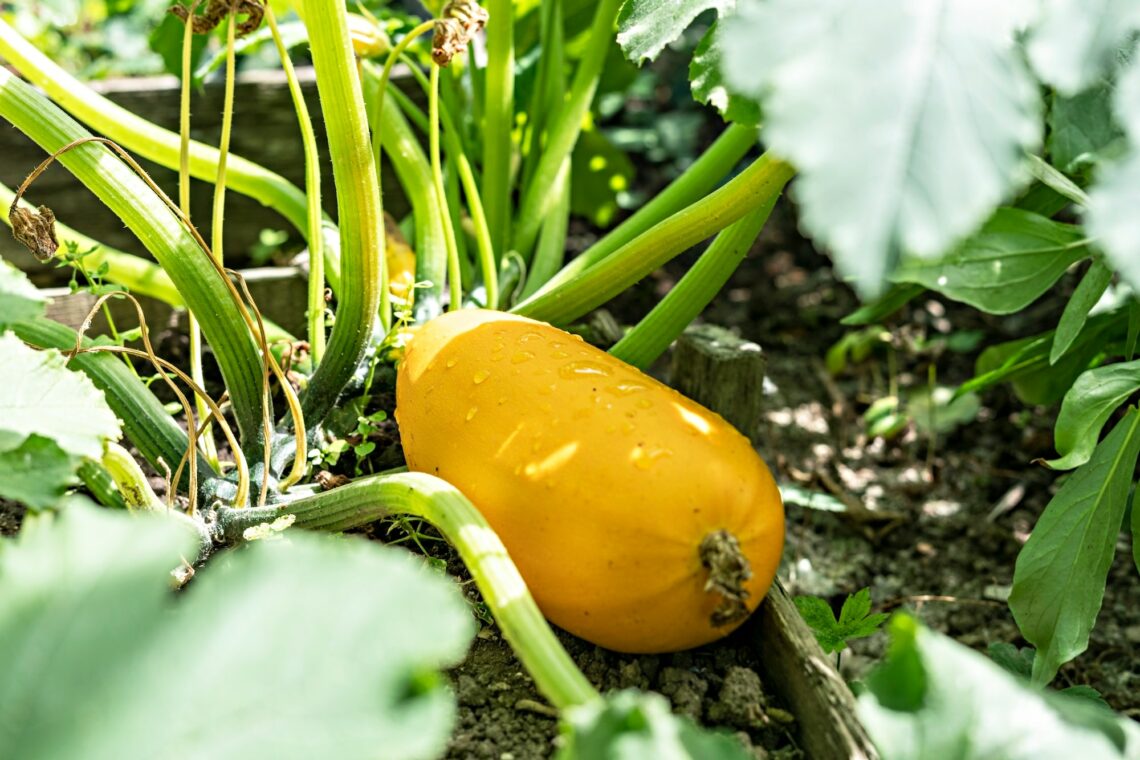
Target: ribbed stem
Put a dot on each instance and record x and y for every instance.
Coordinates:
(455, 296)
(358, 204)
(565, 128)
(421, 495)
(551, 249)
(755, 187)
(696, 181)
(205, 291)
(696, 289)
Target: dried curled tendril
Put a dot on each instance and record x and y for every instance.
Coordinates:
(459, 21)
(35, 229)
(217, 10)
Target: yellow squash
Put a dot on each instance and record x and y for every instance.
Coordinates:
(640, 520)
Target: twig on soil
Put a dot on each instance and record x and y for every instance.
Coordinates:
(920, 599)
(538, 708)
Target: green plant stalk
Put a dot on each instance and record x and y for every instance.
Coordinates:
(454, 281)
(499, 121)
(211, 297)
(455, 214)
(129, 477)
(756, 186)
(98, 481)
(316, 293)
(551, 249)
(398, 141)
(358, 204)
(565, 127)
(136, 274)
(145, 421)
(467, 178)
(146, 139)
(696, 182)
(547, 93)
(642, 345)
(418, 494)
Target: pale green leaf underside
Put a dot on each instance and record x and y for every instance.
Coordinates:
(19, 299)
(39, 395)
(36, 473)
(645, 27)
(1058, 583)
(1005, 266)
(708, 85)
(304, 647)
(1077, 41)
(908, 121)
(972, 709)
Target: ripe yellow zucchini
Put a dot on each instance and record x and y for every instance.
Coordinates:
(640, 520)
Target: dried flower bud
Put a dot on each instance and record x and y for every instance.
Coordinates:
(217, 10)
(36, 230)
(459, 21)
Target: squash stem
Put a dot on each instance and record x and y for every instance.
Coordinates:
(454, 281)
(441, 504)
(498, 124)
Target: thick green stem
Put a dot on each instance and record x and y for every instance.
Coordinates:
(149, 140)
(316, 293)
(136, 274)
(210, 296)
(411, 493)
(551, 247)
(358, 204)
(499, 118)
(548, 93)
(131, 480)
(98, 481)
(756, 186)
(145, 421)
(696, 181)
(394, 134)
(688, 298)
(565, 128)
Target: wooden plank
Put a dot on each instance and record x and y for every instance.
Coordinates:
(265, 131)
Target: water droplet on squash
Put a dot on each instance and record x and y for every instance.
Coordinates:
(472, 412)
(521, 356)
(480, 376)
(628, 427)
(644, 403)
(560, 354)
(644, 458)
(502, 400)
(529, 336)
(546, 390)
(451, 363)
(583, 368)
(625, 389)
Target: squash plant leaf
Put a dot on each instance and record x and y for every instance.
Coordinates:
(708, 84)
(1007, 265)
(308, 646)
(1076, 41)
(1095, 395)
(19, 299)
(630, 725)
(1112, 217)
(934, 697)
(879, 104)
(855, 620)
(1081, 127)
(50, 418)
(1059, 579)
(599, 172)
(645, 27)
(1088, 292)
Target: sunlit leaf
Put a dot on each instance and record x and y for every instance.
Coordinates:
(645, 27)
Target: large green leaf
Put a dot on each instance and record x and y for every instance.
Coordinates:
(36, 473)
(631, 725)
(297, 648)
(39, 395)
(1095, 395)
(907, 120)
(1076, 313)
(1058, 583)
(1078, 41)
(1005, 266)
(19, 299)
(708, 83)
(645, 27)
(599, 171)
(935, 698)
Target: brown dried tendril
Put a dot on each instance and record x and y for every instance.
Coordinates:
(35, 229)
(217, 10)
(459, 21)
